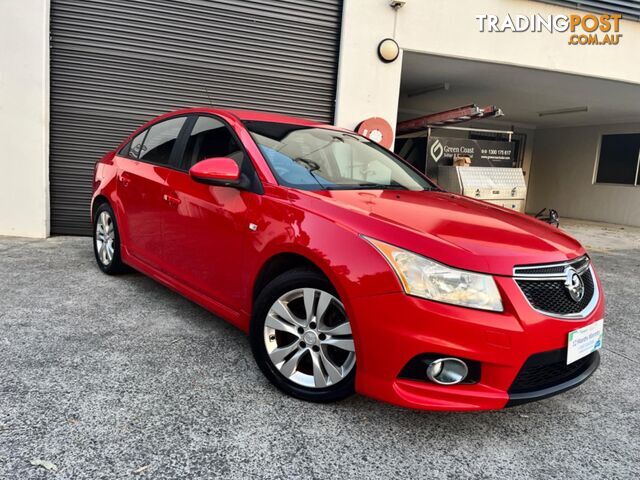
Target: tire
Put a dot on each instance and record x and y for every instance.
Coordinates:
(291, 347)
(106, 246)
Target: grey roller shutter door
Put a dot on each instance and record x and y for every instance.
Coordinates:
(118, 63)
(630, 9)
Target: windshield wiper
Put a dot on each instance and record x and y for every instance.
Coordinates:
(311, 166)
(374, 186)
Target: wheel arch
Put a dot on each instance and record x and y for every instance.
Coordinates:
(277, 265)
(97, 202)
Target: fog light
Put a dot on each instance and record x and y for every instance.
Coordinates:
(447, 371)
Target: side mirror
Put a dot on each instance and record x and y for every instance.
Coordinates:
(221, 171)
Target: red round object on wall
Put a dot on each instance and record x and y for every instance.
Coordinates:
(376, 129)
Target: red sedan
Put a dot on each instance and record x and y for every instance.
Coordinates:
(349, 270)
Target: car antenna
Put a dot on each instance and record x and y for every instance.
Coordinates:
(208, 95)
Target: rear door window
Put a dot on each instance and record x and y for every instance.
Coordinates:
(160, 140)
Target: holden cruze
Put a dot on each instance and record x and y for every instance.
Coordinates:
(349, 270)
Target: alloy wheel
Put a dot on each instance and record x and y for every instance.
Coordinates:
(105, 238)
(308, 338)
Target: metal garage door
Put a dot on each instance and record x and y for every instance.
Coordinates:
(118, 63)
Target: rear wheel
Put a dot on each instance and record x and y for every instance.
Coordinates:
(301, 337)
(106, 241)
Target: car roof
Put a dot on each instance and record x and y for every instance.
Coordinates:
(249, 115)
(271, 117)
(242, 115)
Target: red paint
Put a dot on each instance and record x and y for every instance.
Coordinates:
(195, 238)
(216, 169)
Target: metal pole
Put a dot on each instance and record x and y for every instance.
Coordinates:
(426, 160)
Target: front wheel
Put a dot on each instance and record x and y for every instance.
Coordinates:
(301, 337)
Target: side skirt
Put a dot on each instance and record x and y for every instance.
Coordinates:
(236, 318)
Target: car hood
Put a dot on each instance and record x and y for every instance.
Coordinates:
(452, 229)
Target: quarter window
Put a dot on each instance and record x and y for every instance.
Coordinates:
(136, 145)
(124, 151)
(159, 143)
(211, 138)
(619, 160)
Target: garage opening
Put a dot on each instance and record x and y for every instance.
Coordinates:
(575, 138)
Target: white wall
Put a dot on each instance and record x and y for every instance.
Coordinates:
(445, 27)
(563, 172)
(24, 118)
(367, 87)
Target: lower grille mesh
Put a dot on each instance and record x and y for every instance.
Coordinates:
(548, 369)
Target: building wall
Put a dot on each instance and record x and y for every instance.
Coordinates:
(24, 117)
(563, 172)
(367, 87)
(443, 27)
(528, 154)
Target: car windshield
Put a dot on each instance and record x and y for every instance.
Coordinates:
(315, 158)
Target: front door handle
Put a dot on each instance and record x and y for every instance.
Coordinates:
(124, 179)
(171, 200)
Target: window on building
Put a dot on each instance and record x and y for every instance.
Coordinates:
(159, 142)
(619, 159)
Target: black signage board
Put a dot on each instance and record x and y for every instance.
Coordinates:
(483, 153)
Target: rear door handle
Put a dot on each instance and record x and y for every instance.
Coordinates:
(171, 200)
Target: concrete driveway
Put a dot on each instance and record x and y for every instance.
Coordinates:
(118, 377)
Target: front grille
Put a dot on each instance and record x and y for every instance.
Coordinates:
(579, 264)
(549, 369)
(553, 297)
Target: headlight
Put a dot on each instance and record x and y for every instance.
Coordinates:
(432, 280)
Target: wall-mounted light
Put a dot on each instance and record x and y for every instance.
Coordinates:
(388, 50)
(562, 111)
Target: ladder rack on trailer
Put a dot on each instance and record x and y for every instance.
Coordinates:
(448, 117)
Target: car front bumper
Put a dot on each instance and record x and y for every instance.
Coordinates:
(393, 329)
